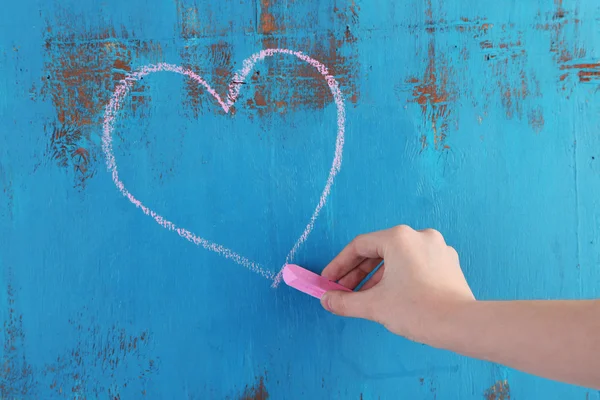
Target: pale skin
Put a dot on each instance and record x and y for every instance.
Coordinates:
(420, 293)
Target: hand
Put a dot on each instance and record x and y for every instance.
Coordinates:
(413, 293)
(421, 293)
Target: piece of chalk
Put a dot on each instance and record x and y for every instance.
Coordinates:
(309, 282)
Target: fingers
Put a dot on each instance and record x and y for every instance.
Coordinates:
(356, 276)
(349, 304)
(453, 252)
(374, 280)
(370, 245)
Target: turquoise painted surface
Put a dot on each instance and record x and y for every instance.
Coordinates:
(479, 119)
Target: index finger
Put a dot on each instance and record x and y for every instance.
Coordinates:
(369, 245)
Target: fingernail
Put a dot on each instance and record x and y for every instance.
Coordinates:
(325, 302)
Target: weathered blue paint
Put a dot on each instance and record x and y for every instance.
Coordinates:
(477, 118)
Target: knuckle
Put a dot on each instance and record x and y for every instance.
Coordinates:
(340, 305)
(359, 238)
(434, 234)
(453, 252)
(355, 243)
(401, 232)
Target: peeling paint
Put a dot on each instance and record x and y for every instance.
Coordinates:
(337, 50)
(197, 20)
(536, 119)
(562, 43)
(565, 44)
(214, 62)
(68, 148)
(16, 373)
(435, 95)
(7, 204)
(100, 356)
(188, 20)
(459, 64)
(511, 79)
(81, 73)
(267, 24)
(258, 391)
(304, 89)
(434, 92)
(477, 26)
(81, 69)
(499, 391)
(586, 72)
(515, 80)
(279, 86)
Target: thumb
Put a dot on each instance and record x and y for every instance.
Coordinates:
(348, 304)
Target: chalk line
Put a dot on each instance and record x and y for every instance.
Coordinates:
(123, 88)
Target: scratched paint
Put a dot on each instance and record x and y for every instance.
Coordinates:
(479, 119)
(90, 369)
(17, 374)
(258, 391)
(499, 391)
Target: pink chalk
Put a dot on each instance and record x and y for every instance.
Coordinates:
(309, 282)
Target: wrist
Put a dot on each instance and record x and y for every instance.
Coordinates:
(453, 327)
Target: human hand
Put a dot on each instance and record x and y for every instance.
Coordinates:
(413, 294)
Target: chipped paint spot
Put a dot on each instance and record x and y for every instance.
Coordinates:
(280, 85)
(16, 374)
(557, 23)
(436, 96)
(267, 24)
(304, 89)
(499, 391)
(258, 391)
(478, 25)
(81, 74)
(100, 356)
(203, 19)
(513, 92)
(188, 20)
(435, 21)
(6, 184)
(563, 25)
(65, 149)
(586, 72)
(516, 81)
(259, 99)
(81, 71)
(536, 119)
(435, 92)
(338, 50)
(214, 62)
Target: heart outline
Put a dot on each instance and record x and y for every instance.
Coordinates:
(123, 88)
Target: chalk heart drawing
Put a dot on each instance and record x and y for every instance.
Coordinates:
(122, 90)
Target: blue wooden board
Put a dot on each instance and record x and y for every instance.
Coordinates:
(480, 119)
